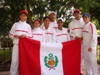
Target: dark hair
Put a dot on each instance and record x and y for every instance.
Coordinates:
(46, 18)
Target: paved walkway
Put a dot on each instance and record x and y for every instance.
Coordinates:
(4, 73)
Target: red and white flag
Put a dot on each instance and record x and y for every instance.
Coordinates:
(37, 58)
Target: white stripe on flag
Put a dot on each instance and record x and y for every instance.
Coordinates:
(51, 59)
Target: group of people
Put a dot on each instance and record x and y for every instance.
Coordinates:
(54, 32)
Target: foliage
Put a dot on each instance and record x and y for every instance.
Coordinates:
(98, 32)
(9, 10)
(36, 8)
(5, 55)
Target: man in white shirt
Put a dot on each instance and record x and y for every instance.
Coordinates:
(61, 33)
(49, 31)
(75, 28)
(89, 45)
(37, 32)
(52, 16)
(19, 29)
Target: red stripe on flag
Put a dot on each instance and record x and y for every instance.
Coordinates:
(29, 57)
(71, 57)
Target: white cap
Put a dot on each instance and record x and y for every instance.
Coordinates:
(52, 12)
(60, 19)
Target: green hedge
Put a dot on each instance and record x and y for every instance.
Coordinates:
(5, 55)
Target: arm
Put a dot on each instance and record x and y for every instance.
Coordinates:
(71, 32)
(12, 32)
(54, 36)
(29, 32)
(68, 37)
(93, 42)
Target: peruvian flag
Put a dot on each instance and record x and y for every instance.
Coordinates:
(38, 58)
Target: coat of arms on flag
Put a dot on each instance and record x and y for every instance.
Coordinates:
(51, 61)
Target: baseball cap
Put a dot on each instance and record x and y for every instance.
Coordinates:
(76, 10)
(37, 20)
(52, 12)
(24, 12)
(86, 15)
(60, 19)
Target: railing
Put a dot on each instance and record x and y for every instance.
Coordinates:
(6, 50)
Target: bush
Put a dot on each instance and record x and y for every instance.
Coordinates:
(5, 55)
(98, 31)
(6, 42)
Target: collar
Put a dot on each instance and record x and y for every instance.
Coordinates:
(60, 30)
(37, 28)
(22, 21)
(44, 27)
(87, 23)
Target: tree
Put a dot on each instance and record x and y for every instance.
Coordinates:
(9, 12)
(36, 9)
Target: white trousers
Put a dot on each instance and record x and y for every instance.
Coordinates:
(82, 59)
(90, 61)
(14, 61)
